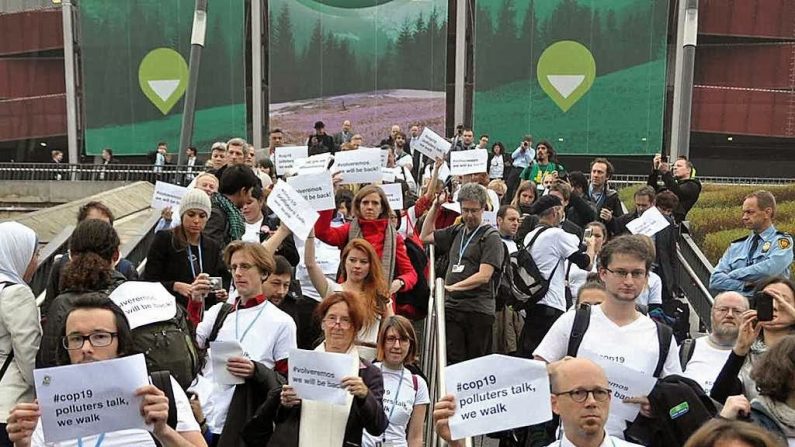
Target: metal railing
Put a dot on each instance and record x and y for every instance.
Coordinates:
(694, 271)
(620, 180)
(47, 257)
(94, 172)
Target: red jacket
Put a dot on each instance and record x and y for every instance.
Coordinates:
(444, 217)
(374, 232)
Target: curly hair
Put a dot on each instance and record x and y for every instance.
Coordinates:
(92, 248)
(774, 372)
(374, 289)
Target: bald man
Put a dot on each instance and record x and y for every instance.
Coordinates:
(580, 396)
(703, 358)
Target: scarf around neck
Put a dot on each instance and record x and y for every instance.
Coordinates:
(237, 226)
(388, 252)
(781, 412)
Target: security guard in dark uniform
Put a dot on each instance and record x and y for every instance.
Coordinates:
(765, 252)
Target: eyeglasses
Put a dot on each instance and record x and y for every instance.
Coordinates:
(98, 339)
(391, 340)
(343, 322)
(636, 274)
(724, 310)
(244, 267)
(580, 395)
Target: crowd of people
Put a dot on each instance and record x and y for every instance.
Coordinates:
(358, 285)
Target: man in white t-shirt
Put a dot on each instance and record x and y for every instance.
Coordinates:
(617, 331)
(580, 396)
(703, 358)
(550, 251)
(95, 330)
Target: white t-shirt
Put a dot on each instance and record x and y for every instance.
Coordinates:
(706, 363)
(551, 249)
(266, 333)
(633, 345)
(497, 167)
(578, 277)
(609, 441)
(652, 293)
(252, 231)
(407, 399)
(124, 438)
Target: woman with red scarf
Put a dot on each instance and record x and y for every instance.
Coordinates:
(371, 221)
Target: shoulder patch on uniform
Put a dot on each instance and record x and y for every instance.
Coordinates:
(784, 243)
(740, 239)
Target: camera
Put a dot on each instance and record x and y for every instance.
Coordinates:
(216, 283)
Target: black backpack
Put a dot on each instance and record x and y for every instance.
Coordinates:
(170, 346)
(528, 285)
(582, 319)
(413, 304)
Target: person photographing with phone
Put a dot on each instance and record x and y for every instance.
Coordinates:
(771, 319)
(677, 178)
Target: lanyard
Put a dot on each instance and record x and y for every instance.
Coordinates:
(463, 245)
(395, 402)
(99, 441)
(190, 260)
(237, 317)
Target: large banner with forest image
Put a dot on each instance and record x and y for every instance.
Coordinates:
(586, 75)
(373, 62)
(134, 58)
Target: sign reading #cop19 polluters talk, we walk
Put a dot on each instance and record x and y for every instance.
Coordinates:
(78, 400)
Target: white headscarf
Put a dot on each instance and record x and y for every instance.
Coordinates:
(17, 246)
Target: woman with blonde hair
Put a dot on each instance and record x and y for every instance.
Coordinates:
(362, 274)
(722, 432)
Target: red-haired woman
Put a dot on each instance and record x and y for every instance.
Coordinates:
(371, 222)
(362, 274)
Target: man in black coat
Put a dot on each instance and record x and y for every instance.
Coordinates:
(604, 198)
(320, 142)
(679, 181)
(644, 199)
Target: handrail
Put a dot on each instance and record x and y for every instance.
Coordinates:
(57, 245)
(96, 172)
(697, 269)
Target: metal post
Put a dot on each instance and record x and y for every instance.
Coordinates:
(256, 73)
(687, 31)
(71, 88)
(460, 60)
(689, 36)
(196, 45)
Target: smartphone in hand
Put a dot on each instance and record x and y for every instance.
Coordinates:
(763, 303)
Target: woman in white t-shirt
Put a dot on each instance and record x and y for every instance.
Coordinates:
(362, 274)
(406, 396)
(252, 213)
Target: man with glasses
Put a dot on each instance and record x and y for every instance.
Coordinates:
(96, 330)
(580, 396)
(475, 252)
(644, 200)
(702, 358)
(551, 248)
(616, 330)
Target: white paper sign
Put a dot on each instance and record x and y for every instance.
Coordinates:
(312, 165)
(452, 206)
(468, 162)
(293, 210)
(384, 157)
(359, 166)
(144, 302)
(394, 194)
(490, 399)
(625, 383)
(220, 352)
(317, 375)
(390, 174)
(79, 400)
(490, 217)
(649, 223)
(166, 195)
(286, 156)
(432, 144)
(317, 189)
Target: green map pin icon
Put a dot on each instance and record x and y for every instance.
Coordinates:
(566, 71)
(163, 77)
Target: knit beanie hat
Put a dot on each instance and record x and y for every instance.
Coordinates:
(194, 199)
(544, 203)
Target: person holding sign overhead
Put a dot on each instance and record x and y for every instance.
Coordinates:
(96, 330)
(254, 326)
(406, 394)
(362, 274)
(371, 222)
(323, 424)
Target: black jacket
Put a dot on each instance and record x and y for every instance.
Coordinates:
(366, 414)
(686, 190)
(618, 226)
(217, 227)
(56, 319)
(611, 201)
(580, 211)
(167, 264)
(325, 143)
(247, 402)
